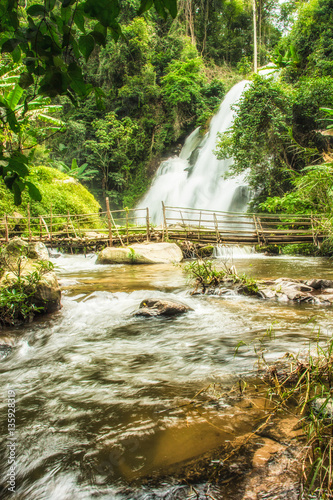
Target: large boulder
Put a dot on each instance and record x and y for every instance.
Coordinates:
(48, 293)
(38, 251)
(21, 260)
(141, 253)
(161, 307)
(17, 247)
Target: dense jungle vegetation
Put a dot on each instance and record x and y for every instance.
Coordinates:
(105, 97)
(281, 136)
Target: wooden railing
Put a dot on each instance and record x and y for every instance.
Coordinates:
(179, 223)
(240, 228)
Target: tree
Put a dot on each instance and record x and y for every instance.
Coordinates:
(51, 39)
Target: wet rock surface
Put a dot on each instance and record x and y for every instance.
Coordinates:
(161, 307)
(314, 291)
(141, 253)
(266, 464)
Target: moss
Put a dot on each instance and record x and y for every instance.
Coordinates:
(57, 189)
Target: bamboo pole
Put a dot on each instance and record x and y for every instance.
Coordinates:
(216, 228)
(258, 235)
(164, 222)
(262, 231)
(40, 228)
(255, 50)
(6, 228)
(108, 213)
(147, 225)
(199, 226)
(46, 228)
(121, 241)
(71, 222)
(67, 224)
(181, 214)
(29, 221)
(51, 224)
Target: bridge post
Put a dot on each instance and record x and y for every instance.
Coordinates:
(29, 224)
(51, 224)
(127, 226)
(256, 226)
(147, 224)
(6, 227)
(164, 221)
(199, 227)
(108, 213)
(40, 228)
(216, 228)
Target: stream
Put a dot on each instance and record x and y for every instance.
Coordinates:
(100, 394)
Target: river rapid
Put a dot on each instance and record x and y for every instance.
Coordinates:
(100, 394)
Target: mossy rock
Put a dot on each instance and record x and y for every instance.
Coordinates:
(57, 189)
(206, 251)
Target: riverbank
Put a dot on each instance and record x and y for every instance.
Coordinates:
(100, 392)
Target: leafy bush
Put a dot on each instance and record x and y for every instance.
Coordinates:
(16, 299)
(204, 274)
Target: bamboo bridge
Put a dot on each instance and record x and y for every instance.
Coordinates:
(89, 232)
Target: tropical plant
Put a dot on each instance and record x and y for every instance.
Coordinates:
(16, 298)
(82, 173)
(24, 125)
(50, 40)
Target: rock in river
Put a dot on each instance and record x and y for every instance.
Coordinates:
(141, 253)
(161, 307)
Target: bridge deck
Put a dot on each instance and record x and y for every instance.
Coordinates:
(127, 226)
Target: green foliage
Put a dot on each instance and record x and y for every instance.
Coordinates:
(184, 79)
(50, 41)
(275, 142)
(25, 124)
(312, 39)
(259, 139)
(156, 92)
(313, 192)
(300, 249)
(81, 173)
(16, 298)
(57, 189)
(204, 274)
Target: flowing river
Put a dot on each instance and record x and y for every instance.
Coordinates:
(100, 394)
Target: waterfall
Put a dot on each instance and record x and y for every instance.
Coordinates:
(194, 179)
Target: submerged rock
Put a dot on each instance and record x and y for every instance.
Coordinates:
(162, 307)
(319, 284)
(5, 351)
(284, 290)
(141, 253)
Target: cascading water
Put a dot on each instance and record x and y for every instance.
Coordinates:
(195, 178)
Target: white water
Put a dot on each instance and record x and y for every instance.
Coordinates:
(195, 178)
(101, 394)
(230, 252)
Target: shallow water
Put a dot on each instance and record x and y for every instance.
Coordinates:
(99, 393)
